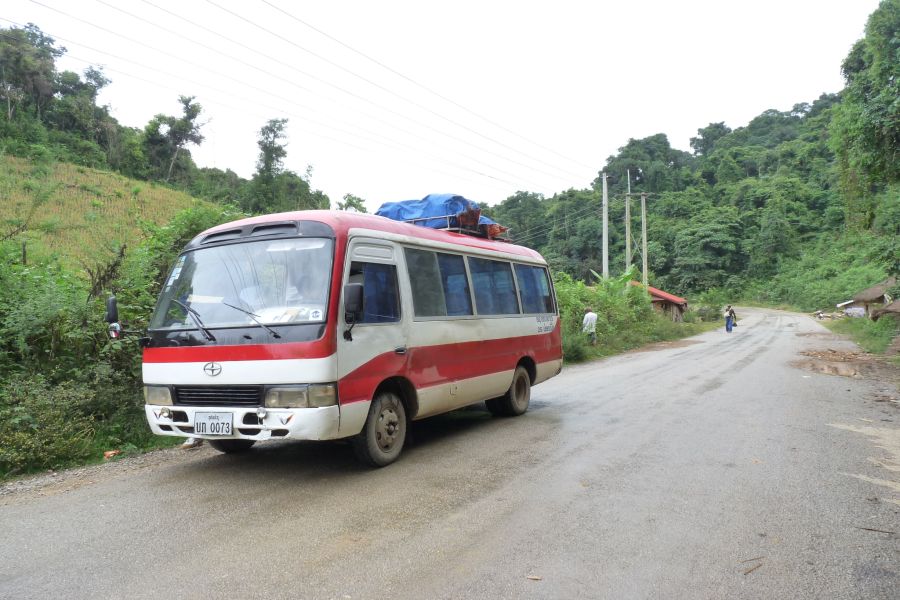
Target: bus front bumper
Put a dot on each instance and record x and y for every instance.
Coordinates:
(246, 423)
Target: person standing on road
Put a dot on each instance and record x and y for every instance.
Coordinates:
(589, 325)
(730, 318)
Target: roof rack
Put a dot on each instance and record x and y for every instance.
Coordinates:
(448, 219)
(448, 212)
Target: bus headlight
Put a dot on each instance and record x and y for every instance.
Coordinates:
(322, 395)
(294, 396)
(301, 396)
(158, 395)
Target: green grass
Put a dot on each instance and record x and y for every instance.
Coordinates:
(658, 329)
(79, 214)
(872, 336)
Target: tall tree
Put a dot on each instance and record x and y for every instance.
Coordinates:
(269, 165)
(27, 68)
(165, 137)
(184, 130)
(352, 203)
(707, 137)
(866, 126)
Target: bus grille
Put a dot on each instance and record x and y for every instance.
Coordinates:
(236, 395)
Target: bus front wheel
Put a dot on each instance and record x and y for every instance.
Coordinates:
(232, 446)
(381, 440)
(515, 401)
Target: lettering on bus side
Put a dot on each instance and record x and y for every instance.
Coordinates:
(545, 323)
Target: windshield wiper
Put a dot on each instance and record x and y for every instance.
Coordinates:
(255, 319)
(195, 317)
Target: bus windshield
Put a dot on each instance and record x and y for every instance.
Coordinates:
(246, 284)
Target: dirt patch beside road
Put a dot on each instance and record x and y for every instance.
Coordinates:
(838, 362)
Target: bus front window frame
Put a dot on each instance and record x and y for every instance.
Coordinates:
(281, 281)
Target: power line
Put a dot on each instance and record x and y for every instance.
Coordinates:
(541, 230)
(314, 77)
(422, 86)
(392, 92)
(378, 140)
(304, 88)
(264, 91)
(311, 132)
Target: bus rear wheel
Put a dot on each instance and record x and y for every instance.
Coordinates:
(232, 446)
(518, 396)
(381, 440)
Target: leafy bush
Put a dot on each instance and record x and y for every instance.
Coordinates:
(829, 272)
(872, 336)
(574, 344)
(43, 425)
(69, 392)
(710, 304)
(625, 317)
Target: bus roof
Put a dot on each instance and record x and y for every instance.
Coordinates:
(342, 222)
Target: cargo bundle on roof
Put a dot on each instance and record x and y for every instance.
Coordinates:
(443, 211)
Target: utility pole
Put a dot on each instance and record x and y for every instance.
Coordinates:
(644, 236)
(605, 230)
(628, 224)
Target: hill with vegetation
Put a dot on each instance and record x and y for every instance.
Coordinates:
(799, 205)
(79, 214)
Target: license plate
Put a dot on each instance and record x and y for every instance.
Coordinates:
(212, 423)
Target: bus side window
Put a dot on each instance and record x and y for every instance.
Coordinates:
(381, 299)
(495, 292)
(534, 288)
(455, 284)
(439, 284)
(425, 282)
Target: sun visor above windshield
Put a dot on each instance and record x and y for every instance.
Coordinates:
(261, 230)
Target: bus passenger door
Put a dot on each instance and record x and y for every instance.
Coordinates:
(376, 349)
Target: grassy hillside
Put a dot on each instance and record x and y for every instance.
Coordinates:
(80, 214)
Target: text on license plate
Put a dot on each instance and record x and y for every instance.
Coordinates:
(212, 423)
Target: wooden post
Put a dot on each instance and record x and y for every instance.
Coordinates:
(605, 229)
(627, 231)
(644, 236)
(628, 223)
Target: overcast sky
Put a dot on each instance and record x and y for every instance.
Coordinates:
(393, 100)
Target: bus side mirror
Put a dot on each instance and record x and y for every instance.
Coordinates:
(112, 310)
(353, 302)
(112, 317)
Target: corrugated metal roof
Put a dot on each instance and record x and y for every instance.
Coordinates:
(656, 293)
(875, 292)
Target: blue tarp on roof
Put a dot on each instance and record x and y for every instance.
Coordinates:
(433, 205)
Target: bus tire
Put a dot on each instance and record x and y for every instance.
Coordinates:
(232, 446)
(382, 437)
(518, 396)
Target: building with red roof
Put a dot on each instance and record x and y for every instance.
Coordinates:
(668, 304)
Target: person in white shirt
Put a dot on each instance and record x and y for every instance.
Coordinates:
(589, 324)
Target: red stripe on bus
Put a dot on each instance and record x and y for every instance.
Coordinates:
(318, 349)
(433, 365)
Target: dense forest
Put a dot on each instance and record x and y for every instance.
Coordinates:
(800, 207)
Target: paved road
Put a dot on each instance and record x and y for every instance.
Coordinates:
(706, 469)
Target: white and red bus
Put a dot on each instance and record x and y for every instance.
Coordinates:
(319, 325)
